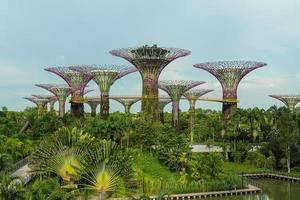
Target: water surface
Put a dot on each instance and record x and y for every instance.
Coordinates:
(271, 190)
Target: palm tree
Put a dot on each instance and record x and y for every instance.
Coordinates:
(62, 154)
(104, 180)
(108, 162)
(70, 154)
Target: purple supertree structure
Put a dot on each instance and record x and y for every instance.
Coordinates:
(104, 76)
(61, 91)
(127, 102)
(229, 74)
(150, 61)
(77, 82)
(192, 96)
(175, 89)
(40, 103)
(52, 99)
(289, 100)
(162, 102)
(93, 103)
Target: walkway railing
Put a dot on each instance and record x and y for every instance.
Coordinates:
(19, 164)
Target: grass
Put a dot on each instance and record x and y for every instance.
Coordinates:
(150, 167)
(238, 168)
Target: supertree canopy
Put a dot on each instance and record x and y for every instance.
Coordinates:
(162, 102)
(192, 96)
(77, 82)
(52, 99)
(40, 103)
(175, 89)
(229, 74)
(105, 76)
(61, 91)
(93, 103)
(126, 102)
(289, 100)
(150, 61)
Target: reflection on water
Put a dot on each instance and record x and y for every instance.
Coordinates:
(271, 190)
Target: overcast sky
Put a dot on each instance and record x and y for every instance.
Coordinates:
(35, 34)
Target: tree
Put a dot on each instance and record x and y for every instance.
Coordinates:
(104, 180)
(78, 160)
(287, 130)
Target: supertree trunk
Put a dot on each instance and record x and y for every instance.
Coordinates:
(192, 113)
(127, 108)
(150, 61)
(161, 116)
(61, 108)
(41, 108)
(229, 74)
(150, 96)
(192, 123)
(51, 105)
(228, 109)
(77, 109)
(104, 111)
(175, 115)
(93, 111)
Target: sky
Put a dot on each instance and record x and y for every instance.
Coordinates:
(35, 34)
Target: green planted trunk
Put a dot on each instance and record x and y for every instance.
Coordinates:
(175, 115)
(104, 109)
(150, 97)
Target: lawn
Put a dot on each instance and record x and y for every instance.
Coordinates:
(150, 167)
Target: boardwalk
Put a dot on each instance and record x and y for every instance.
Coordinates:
(23, 173)
(273, 176)
(203, 195)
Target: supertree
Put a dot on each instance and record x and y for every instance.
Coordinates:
(52, 99)
(175, 89)
(61, 91)
(40, 103)
(229, 74)
(93, 103)
(104, 76)
(192, 96)
(127, 102)
(150, 61)
(162, 102)
(77, 82)
(289, 100)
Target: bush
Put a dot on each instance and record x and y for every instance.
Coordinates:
(206, 166)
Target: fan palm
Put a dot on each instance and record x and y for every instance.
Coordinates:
(62, 154)
(104, 180)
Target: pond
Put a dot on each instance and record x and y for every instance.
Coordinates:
(271, 190)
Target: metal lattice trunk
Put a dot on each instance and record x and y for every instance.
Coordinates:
(77, 82)
(175, 90)
(289, 100)
(93, 105)
(229, 74)
(51, 98)
(105, 76)
(162, 104)
(192, 96)
(126, 102)
(61, 91)
(150, 61)
(40, 103)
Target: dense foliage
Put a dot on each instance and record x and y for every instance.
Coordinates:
(77, 157)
